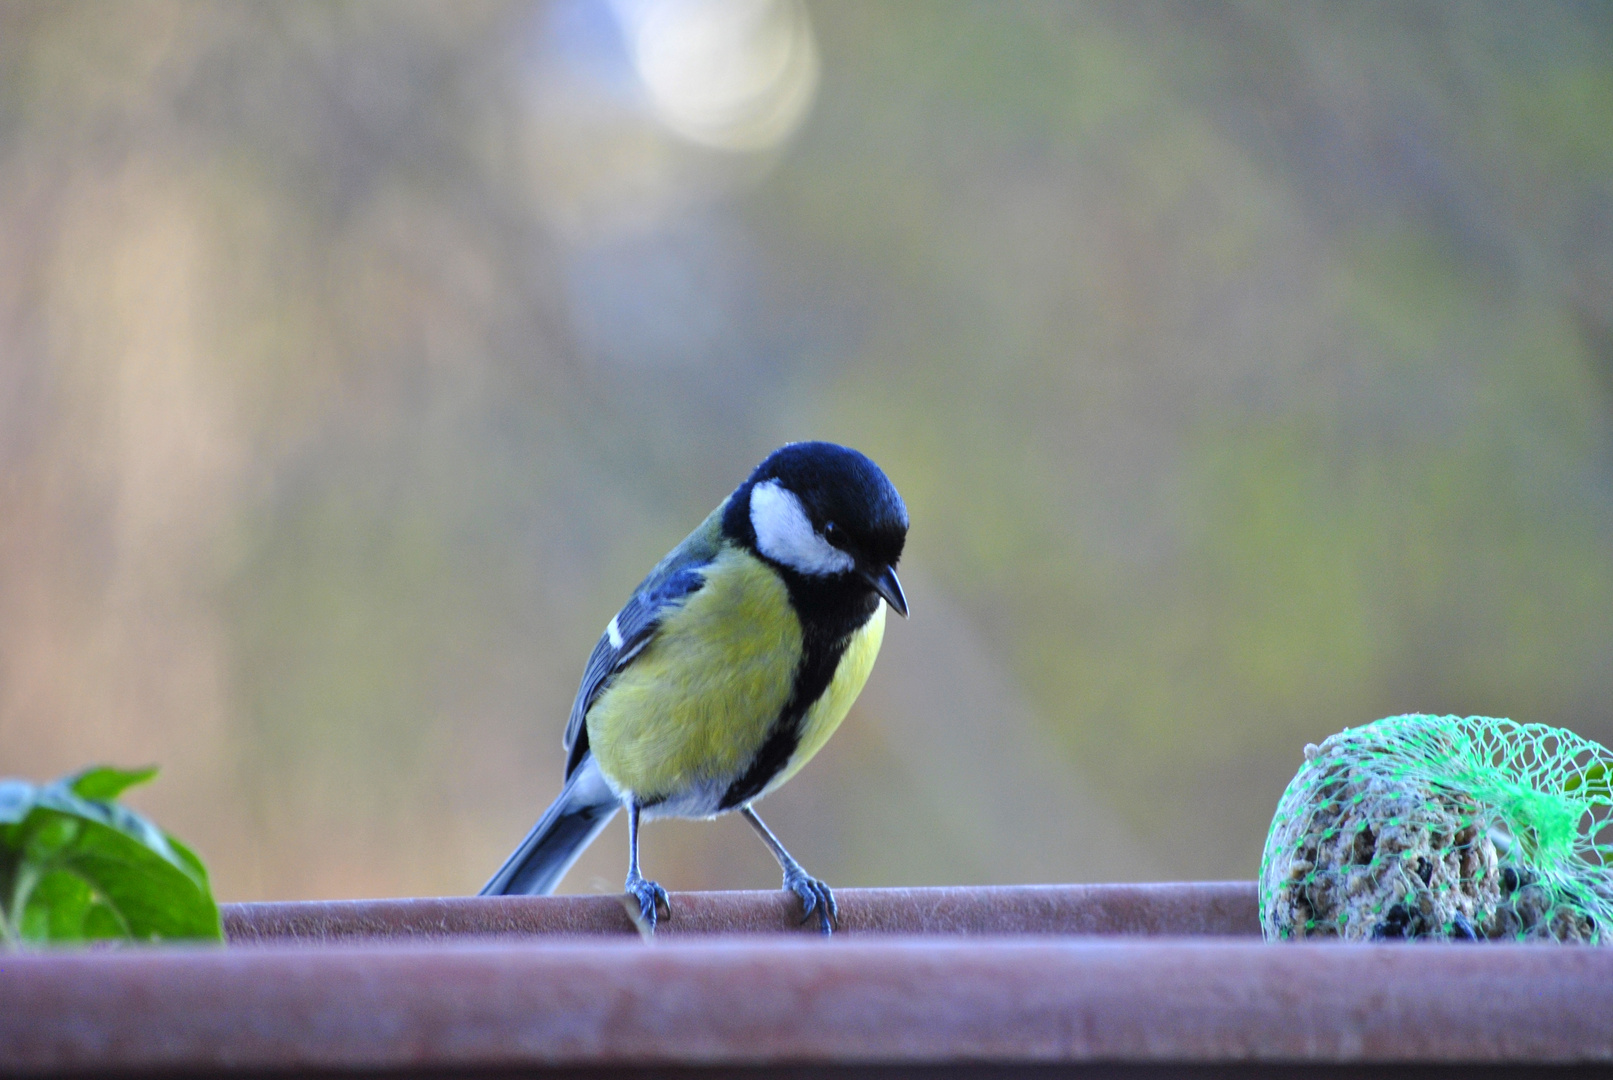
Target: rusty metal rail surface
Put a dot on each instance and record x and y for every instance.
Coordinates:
(1037, 981)
(1195, 908)
(788, 1005)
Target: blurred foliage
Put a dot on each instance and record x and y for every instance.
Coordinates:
(1246, 368)
(75, 866)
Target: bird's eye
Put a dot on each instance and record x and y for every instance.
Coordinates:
(833, 533)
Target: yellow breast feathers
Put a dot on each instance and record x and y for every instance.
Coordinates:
(696, 705)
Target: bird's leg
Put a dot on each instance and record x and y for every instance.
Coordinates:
(650, 896)
(814, 894)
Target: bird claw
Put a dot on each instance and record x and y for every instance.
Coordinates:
(815, 897)
(652, 900)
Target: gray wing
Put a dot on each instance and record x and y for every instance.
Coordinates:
(672, 581)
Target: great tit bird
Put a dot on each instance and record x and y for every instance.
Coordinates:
(730, 666)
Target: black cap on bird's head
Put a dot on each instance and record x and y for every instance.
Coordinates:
(826, 513)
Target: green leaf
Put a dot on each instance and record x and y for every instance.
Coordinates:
(155, 898)
(102, 923)
(45, 838)
(104, 783)
(59, 797)
(81, 867)
(56, 908)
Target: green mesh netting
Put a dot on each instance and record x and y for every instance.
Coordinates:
(1445, 827)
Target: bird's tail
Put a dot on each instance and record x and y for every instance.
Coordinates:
(584, 808)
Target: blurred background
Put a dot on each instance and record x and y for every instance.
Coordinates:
(1247, 370)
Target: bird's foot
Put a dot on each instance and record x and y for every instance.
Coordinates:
(815, 897)
(652, 900)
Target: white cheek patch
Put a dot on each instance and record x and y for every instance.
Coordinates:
(785, 534)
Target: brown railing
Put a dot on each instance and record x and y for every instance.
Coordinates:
(1214, 908)
(1148, 980)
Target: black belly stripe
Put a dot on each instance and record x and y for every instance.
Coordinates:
(830, 610)
(819, 660)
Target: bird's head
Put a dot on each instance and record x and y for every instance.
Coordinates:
(826, 513)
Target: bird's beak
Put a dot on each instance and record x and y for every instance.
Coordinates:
(886, 584)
